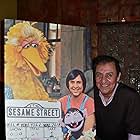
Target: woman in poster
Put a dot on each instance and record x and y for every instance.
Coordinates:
(78, 108)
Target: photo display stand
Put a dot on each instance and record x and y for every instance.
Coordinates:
(37, 58)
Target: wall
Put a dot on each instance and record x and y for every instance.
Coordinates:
(72, 12)
(79, 12)
(122, 40)
(8, 9)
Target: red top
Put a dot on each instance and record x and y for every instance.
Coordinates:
(89, 105)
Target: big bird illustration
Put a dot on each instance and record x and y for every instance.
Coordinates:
(26, 52)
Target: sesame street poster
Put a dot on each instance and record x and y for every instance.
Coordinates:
(33, 120)
(37, 58)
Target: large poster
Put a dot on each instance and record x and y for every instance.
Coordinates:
(37, 58)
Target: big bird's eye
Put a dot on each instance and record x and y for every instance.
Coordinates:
(27, 46)
(34, 45)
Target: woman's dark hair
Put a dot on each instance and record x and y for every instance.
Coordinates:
(103, 59)
(73, 74)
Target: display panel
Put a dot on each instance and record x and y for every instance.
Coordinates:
(37, 59)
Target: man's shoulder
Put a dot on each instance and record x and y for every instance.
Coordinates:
(123, 87)
(127, 91)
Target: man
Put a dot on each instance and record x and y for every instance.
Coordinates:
(117, 106)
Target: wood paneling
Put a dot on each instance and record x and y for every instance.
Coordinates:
(8, 9)
(79, 12)
(115, 11)
(73, 12)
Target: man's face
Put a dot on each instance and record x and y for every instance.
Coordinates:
(106, 78)
(76, 86)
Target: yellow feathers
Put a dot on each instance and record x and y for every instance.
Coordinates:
(21, 31)
(26, 52)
